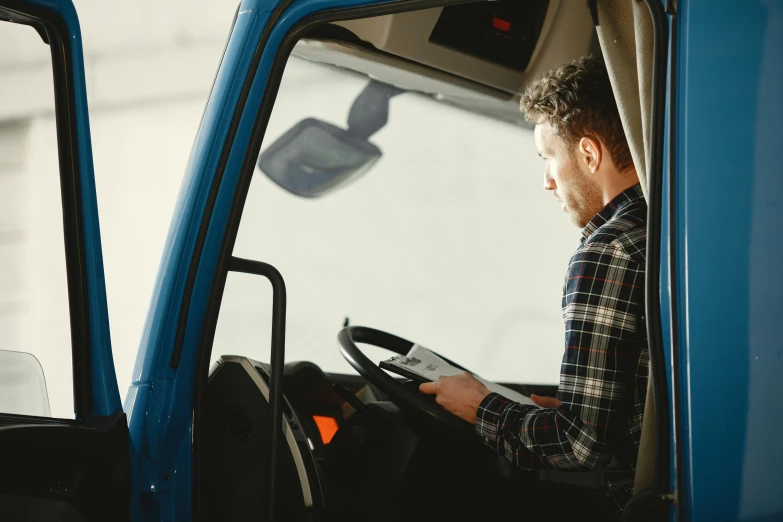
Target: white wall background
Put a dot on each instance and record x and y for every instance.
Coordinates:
(149, 67)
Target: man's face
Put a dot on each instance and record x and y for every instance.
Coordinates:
(571, 181)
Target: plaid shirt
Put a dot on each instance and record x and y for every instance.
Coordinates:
(603, 377)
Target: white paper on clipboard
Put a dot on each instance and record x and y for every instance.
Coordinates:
(429, 366)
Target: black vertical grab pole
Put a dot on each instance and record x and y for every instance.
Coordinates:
(654, 211)
(276, 361)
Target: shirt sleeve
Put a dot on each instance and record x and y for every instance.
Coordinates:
(602, 300)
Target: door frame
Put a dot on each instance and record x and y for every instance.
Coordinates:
(94, 380)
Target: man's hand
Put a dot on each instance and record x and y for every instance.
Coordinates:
(461, 394)
(545, 402)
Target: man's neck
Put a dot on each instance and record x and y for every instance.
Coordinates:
(617, 183)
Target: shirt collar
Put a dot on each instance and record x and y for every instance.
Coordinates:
(622, 200)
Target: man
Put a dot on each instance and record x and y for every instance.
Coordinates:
(596, 418)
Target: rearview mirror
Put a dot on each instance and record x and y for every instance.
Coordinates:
(315, 157)
(22, 385)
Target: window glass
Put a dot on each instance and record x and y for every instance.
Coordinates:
(34, 313)
(442, 234)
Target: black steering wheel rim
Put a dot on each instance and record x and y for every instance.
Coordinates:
(403, 396)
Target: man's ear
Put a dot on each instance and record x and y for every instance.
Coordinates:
(590, 153)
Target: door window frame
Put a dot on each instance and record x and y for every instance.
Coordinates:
(54, 31)
(662, 397)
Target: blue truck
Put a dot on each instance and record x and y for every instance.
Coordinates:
(205, 434)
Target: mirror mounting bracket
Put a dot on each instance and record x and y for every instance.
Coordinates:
(370, 111)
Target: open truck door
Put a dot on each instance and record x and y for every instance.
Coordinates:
(59, 463)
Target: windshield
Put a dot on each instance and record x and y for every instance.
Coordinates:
(447, 239)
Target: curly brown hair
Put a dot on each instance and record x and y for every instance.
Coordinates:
(576, 99)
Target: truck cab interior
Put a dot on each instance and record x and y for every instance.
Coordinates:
(353, 442)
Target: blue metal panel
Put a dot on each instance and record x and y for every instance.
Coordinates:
(730, 258)
(159, 418)
(106, 396)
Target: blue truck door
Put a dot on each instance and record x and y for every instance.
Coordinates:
(77, 468)
(173, 360)
(729, 209)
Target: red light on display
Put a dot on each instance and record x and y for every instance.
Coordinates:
(501, 25)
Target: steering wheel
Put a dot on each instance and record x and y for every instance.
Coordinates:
(403, 396)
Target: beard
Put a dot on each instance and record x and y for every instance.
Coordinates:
(583, 199)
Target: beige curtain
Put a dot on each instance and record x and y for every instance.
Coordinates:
(626, 37)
